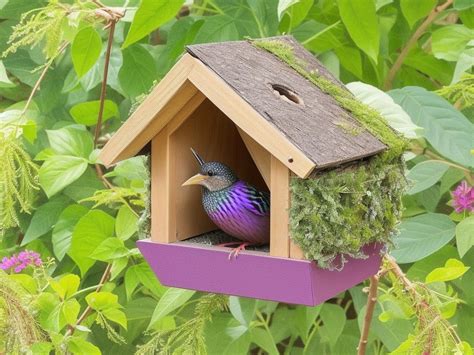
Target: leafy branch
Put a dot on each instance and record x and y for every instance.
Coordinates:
(412, 41)
(434, 334)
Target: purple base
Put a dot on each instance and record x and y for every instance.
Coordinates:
(254, 274)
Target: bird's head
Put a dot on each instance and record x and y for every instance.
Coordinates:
(213, 175)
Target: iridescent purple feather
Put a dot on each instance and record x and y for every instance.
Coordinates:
(241, 211)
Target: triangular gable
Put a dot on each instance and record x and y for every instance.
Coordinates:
(237, 77)
(325, 132)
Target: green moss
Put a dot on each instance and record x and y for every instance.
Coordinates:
(337, 212)
(369, 118)
(340, 211)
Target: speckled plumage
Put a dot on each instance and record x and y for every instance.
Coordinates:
(236, 207)
(240, 210)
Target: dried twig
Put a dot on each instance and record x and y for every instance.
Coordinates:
(103, 90)
(369, 312)
(412, 41)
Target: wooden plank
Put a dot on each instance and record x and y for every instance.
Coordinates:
(167, 98)
(317, 126)
(160, 210)
(215, 138)
(185, 112)
(279, 206)
(249, 120)
(295, 251)
(260, 156)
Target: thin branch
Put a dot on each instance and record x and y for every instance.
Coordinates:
(103, 280)
(412, 41)
(41, 77)
(103, 90)
(369, 312)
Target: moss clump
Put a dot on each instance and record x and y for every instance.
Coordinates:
(340, 211)
(369, 118)
(336, 213)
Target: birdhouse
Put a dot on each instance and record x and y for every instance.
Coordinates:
(274, 114)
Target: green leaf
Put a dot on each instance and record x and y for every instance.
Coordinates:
(66, 286)
(351, 59)
(70, 311)
(44, 218)
(421, 236)
(292, 13)
(59, 171)
(264, 340)
(141, 273)
(425, 175)
(103, 300)
(334, 319)
(304, 319)
(109, 249)
(126, 223)
(5, 82)
(85, 50)
(172, 299)
(138, 71)
(463, 65)
(465, 235)
(117, 267)
(225, 336)
(360, 20)
(117, 316)
(41, 348)
(85, 186)
(86, 113)
(322, 38)
(383, 103)
(62, 232)
(415, 10)
(150, 15)
(217, 29)
(463, 4)
(448, 42)
(79, 346)
(71, 140)
(90, 231)
(452, 270)
(427, 64)
(447, 129)
(243, 309)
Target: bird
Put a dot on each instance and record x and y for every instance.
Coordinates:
(236, 207)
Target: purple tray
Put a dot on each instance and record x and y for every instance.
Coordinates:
(254, 274)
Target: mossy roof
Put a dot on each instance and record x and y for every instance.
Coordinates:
(319, 125)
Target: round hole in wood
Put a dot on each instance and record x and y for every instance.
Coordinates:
(290, 160)
(287, 94)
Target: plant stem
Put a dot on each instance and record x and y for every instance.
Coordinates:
(103, 280)
(412, 41)
(85, 290)
(103, 89)
(40, 79)
(267, 328)
(371, 302)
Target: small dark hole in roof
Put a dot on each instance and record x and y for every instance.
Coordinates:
(287, 94)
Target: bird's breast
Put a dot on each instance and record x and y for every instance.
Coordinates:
(227, 209)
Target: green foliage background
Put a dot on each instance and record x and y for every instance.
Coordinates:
(95, 293)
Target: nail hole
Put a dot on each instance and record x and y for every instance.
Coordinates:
(290, 160)
(287, 94)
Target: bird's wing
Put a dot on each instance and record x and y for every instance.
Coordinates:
(258, 201)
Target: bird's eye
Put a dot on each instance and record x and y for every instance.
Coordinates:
(210, 173)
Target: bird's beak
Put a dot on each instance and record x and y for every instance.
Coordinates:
(195, 180)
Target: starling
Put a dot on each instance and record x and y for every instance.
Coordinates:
(236, 207)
